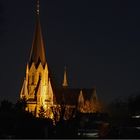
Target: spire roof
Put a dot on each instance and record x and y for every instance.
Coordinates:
(65, 83)
(37, 54)
(94, 96)
(81, 97)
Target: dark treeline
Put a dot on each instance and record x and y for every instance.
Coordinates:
(15, 122)
(120, 109)
(124, 117)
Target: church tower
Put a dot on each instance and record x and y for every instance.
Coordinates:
(37, 87)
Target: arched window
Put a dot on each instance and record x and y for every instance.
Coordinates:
(33, 78)
(39, 75)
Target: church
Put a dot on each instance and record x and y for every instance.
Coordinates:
(39, 90)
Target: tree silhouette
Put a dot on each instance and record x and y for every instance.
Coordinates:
(21, 105)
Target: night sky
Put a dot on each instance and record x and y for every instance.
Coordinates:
(98, 41)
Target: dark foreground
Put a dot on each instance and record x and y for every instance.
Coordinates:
(16, 123)
(83, 126)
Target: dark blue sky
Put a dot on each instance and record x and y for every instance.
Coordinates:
(98, 41)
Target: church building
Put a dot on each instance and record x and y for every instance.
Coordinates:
(39, 90)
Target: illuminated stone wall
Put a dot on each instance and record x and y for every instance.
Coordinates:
(39, 90)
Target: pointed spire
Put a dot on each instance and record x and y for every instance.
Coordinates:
(65, 83)
(37, 54)
(81, 98)
(50, 91)
(95, 103)
(24, 90)
(27, 73)
(94, 97)
(81, 101)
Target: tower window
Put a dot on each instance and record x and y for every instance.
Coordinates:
(39, 75)
(33, 79)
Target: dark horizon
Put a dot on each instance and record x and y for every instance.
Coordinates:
(98, 41)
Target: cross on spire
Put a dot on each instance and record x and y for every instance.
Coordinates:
(37, 10)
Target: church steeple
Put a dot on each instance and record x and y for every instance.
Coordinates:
(37, 54)
(65, 83)
(37, 88)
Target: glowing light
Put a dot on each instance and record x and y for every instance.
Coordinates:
(137, 116)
